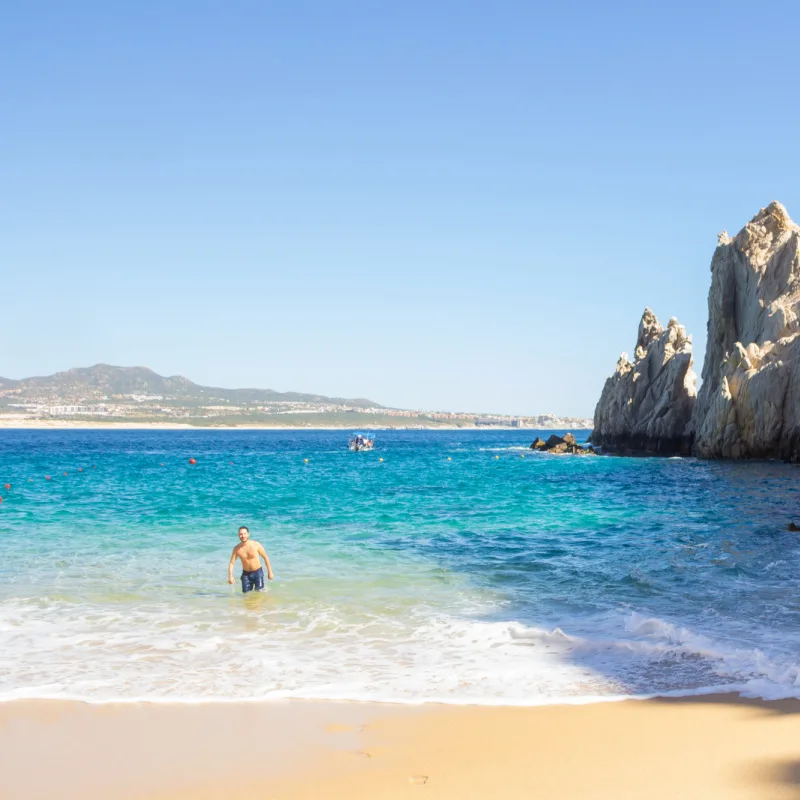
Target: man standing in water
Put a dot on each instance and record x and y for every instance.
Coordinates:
(249, 552)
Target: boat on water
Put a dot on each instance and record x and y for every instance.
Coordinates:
(360, 441)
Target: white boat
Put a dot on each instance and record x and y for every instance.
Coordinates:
(359, 442)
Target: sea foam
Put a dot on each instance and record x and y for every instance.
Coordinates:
(441, 574)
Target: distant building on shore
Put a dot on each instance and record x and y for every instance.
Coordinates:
(69, 411)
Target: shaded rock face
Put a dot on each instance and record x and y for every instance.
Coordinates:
(647, 404)
(749, 401)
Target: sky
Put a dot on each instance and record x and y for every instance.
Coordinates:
(450, 205)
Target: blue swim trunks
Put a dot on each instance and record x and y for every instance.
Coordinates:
(253, 580)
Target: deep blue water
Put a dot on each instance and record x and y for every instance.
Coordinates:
(461, 567)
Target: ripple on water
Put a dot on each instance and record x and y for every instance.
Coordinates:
(477, 579)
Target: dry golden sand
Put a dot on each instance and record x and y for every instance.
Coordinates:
(711, 747)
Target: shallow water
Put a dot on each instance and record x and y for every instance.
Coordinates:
(486, 578)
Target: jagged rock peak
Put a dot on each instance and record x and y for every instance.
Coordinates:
(646, 405)
(649, 330)
(772, 218)
(749, 403)
(765, 233)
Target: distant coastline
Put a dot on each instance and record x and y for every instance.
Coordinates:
(62, 424)
(106, 396)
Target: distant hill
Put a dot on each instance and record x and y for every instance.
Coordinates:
(104, 382)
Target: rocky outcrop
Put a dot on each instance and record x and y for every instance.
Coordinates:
(647, 404)
(749, 401)
(558, 445)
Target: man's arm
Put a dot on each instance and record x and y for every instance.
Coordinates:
(232, 562)
(264, 555)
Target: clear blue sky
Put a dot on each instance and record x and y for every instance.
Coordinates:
(460, 205)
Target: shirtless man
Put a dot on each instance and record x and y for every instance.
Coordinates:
(249, 553)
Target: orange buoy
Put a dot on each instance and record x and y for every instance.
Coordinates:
(192, 460)
(47, 478)
(7, 485)
(80, 469)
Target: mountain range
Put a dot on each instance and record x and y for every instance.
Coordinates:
(105, 382)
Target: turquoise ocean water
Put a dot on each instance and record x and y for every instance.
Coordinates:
(454, 570)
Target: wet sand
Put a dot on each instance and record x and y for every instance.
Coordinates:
(707, 747)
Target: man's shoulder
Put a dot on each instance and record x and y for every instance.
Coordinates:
(255, 543)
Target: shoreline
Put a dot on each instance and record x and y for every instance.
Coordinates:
(180, 426)
(710, 746)
(678, 695)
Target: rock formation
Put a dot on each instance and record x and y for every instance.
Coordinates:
(647, 404)
(749, 401)
(561, 444)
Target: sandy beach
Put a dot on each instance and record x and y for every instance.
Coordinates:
(424, 589)
(66, 424)
(710, 747)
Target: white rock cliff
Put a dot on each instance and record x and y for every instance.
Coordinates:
(647, 404)
(749, 401)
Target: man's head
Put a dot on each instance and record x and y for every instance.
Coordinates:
(244, 534)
